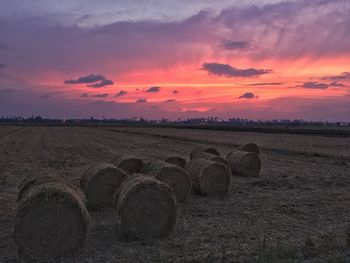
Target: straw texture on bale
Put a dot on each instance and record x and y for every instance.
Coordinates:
(34, 179)
(250, 147)
(177, 160)
(208, 177)
(146, 207)
(199, 148)
(100, 184)
(51, 222)
(244, 163)
(175, 177)
(127, 163)
(211, 157)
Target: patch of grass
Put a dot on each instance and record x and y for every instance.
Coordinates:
(277, 254)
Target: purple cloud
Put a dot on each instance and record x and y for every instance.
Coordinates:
(171, 100)
(342, 76)
(141, 100)
(336, 84)
(120, 93)
(103, 95)
(84, 95)
(266, 84)
(92, 78)
(6, 92)
(153, 89)
(4, 47)
(248, 95)
(231, 72)
(313, 85)
(101, 84)
(235, 45)
(52, 94)
(175, 92)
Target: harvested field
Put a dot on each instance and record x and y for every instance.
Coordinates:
(301, 194)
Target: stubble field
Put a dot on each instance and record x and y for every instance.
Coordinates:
(298, 210)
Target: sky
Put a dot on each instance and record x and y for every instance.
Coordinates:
(175, 59)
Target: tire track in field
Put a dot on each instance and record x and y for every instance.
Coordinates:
(228, 144)
(11, 132)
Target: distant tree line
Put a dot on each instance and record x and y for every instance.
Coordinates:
(206, 121)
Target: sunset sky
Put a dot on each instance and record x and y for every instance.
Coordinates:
(175, 59)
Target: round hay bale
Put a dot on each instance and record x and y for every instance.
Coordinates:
(173, 176)
(100, 184)
(129, 164)
(177, 160)
(199, 148)
(211, 157)
(208, 177)
(250, 147)
(244, 163)
(51, 222)
(34, 179)
(146, 207)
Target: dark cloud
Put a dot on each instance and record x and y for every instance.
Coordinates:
(92, 78)
(103, 95)
(120, 93)
(51, 94)
(141, 100)
(230, 72)
(248, 95)
(153, 89)
(101, 84)
(336, 84)
(342, 76)
(171, 100)
(4, 47)
(7, 92)
(266, 84)
(175, 92)
(313, 85)
(84, 95)
(235, 45)
(2, 65)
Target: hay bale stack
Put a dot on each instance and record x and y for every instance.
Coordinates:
(199, 148)
(100, 183)
(211, 157)
(127, 163)
(173, 176)
(250, 147)
(177, 160)
(35, 179)
(208, 177)
(244, 163)
(51, 222)
(146, 208)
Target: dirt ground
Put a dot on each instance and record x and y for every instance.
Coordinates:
(298, 210)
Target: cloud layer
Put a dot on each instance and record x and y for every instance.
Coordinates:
(228, 71)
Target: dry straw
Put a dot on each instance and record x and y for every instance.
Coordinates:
(146, 208)
(100, 184)
(177, 160)
(211, 157)
(51, 222)
(250, 147)
(199, 148)
(130, 164)
(208, 177)
(175, 177)
(244, 163)
(35, 179)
